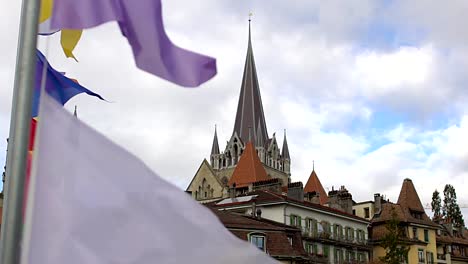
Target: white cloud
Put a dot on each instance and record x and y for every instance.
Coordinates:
(406, 68)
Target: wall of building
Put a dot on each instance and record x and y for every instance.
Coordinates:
(225, 173)
(277, 174)
(205, 182)
(413, 256)
(377, 252)
(359, 210)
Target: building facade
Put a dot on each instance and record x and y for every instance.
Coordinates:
(282, 242)
(418, 232)
(328, 234)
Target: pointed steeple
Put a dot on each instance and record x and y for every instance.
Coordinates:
(314, 185)
(249, 169)
(285, 149)
(215, 147)
(250, 108)
(259, 142)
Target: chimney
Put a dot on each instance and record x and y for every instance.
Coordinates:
(259, 213)
(254, 209)
(341, 200)
(232, 191)
(296, 191)
(377, 203)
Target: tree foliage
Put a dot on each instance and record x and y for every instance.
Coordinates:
(396, 251)
(436, 205)
(451, 210)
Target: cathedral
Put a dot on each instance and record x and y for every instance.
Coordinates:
(214, 178)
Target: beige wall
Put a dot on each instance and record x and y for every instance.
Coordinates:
(277, 174)
(211, 183)
(225, 173)
(359, 209)
(413, 252)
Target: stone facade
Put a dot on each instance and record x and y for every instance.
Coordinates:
(205, 184)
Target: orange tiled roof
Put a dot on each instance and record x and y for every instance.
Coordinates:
(249, 169)
(314, 185)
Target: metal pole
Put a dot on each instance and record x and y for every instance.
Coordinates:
(19, 132)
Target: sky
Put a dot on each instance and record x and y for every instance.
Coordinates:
(372, 91)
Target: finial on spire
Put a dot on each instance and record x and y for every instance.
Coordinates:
(75, 112)
(250, 16)
(250, 134)
(313, 165)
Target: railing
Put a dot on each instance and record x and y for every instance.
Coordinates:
(441, 256)
(327, 235)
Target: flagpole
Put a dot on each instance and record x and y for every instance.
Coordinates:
(19, 133)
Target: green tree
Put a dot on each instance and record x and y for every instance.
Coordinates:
(451, 210)
(436, 205)
(396, 251)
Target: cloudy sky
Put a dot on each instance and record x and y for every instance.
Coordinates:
(373, 91)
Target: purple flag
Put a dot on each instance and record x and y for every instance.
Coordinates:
(141, 23)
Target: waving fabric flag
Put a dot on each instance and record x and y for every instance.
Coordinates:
(95, 203)
(68, 38)
(141, 23)
(57, 85)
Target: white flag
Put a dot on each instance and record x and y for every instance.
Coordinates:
(92, 202)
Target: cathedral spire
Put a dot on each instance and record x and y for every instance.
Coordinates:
(215, 147)
(250, 108)
(285, 149)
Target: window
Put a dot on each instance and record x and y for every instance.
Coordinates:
(360, 235)
(415, 233)
(258, 241)
(337, 231)
(349, 233)
(311, 225)
(430, 257)
(326, 250)
(366, 212)
(354, 212)
(360, 257)
(426, 235)
(295, 220)
(338, 255)
(421, 256)
(290, 239)
(312, 248)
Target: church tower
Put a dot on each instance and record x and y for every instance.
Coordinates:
(214, 177)
(250, 125)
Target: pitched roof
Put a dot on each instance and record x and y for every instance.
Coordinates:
(267, 197)
(409, 197)
(215, 147)
(285, 149)
(277, 243)
(249, 169)
(250, 109)
(407, 207)
(314, 185)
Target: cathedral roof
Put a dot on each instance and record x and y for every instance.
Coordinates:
(215, 147)
(285, 149)
(314, 185)
(249, 169)
(250, 109)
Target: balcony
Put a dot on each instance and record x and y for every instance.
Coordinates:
(335, 239)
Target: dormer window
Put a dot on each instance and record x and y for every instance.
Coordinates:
(258, 240)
